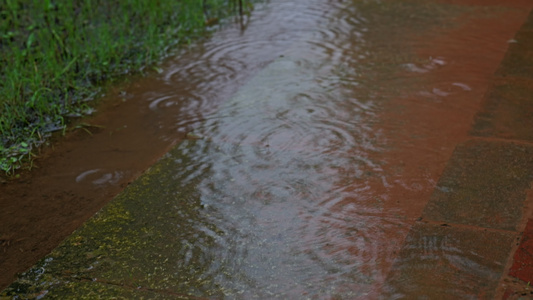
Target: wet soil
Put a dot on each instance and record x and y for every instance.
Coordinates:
(429, 110)
(70, 181)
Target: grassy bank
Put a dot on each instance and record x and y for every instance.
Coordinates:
(54, 55)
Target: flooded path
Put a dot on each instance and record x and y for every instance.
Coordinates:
(304, 147)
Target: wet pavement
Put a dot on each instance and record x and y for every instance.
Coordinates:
(384, 153)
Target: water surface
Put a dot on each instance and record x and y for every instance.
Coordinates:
(308, 139)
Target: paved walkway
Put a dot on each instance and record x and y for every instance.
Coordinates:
(482, 198)
(480, 207)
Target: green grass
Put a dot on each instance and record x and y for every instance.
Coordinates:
(54, 56)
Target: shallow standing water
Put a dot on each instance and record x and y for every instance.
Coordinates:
(308, 141)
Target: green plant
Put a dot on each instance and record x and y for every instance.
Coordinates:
(55, 55)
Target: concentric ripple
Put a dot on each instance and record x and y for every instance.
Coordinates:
(282, 188)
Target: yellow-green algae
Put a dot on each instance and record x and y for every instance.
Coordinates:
(133, 242)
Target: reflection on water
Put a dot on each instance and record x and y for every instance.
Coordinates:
(301, 180)
(294, 195)
(283, 168)
(279, 223)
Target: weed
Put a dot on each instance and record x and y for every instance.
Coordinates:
(54, 55)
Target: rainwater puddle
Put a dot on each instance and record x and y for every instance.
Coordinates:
(309, 139)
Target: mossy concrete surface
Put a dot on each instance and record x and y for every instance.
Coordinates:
(129, 249)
